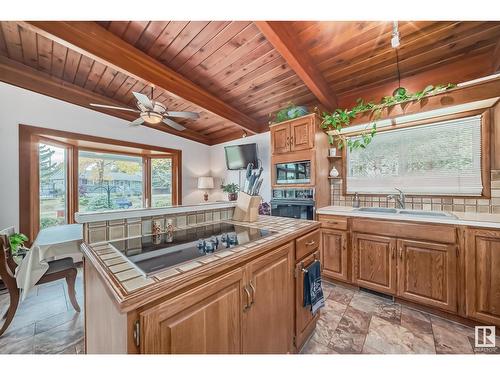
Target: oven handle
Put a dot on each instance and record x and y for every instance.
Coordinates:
(293, 202)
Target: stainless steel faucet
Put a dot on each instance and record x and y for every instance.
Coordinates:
(399, 199)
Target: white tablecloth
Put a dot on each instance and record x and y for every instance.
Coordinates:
(58, 241)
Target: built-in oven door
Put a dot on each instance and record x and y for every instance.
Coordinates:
(296, 209)
(297, 172)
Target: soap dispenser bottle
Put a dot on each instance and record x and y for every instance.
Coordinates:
(356, 201)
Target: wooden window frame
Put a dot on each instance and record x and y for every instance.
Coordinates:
(29, 179)
(487, 126)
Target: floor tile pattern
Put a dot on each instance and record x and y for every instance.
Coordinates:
(358, 322)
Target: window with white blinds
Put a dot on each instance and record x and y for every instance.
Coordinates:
(442, 158)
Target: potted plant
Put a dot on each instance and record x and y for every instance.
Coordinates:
(17, 249)
(290, 112)
(231, 190)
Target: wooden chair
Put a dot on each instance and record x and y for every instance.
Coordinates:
(58, 269)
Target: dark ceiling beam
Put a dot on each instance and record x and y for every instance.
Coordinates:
(94, 41)
(20, 75)
(279, 34)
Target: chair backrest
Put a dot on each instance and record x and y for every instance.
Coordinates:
(7, 264)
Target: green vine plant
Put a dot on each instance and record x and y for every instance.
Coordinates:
(334, 122)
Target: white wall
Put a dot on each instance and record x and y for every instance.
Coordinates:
(218, 165)
(19, 106)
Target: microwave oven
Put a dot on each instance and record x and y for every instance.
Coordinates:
(291, 173)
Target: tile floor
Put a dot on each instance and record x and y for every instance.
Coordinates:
(45, 322)
(354, 322)
(351, 322)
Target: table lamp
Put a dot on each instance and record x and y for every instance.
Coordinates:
(205, 183)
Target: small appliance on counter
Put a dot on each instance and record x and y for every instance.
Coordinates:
(296, 203)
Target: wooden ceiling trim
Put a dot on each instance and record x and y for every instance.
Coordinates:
(71, 66)
(198, 42)
(94, 41)
(280, 36)
(298, 97)
(225, 35)
(20, 75)
(229, 137)
(45, 50)
(95, 75)
(3, 46)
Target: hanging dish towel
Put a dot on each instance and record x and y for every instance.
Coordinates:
(313, 293)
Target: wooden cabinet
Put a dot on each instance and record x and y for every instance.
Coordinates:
(268, 312)
(280, 138)
(294, 135)
(334, 256)
(301, 134)
(374, 262)
(206, 319)
(305, 321)
(427, 273)
(482, 265)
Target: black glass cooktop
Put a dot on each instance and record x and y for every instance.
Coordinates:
(152, 254)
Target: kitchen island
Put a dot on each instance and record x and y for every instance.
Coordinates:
(243, 297)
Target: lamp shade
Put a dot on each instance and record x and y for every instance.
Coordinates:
(205, 182)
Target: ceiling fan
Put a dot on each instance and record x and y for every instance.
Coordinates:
(152, 112)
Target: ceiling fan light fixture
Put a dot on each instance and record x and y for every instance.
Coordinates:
(151, 117)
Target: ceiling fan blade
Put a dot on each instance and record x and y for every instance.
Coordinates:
(184, 114)
(137, 122)
(173, 124)
(143, 99)
(113, 107)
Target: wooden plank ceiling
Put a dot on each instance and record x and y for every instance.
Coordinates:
(236, 64)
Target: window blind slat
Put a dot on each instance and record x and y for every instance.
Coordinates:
(442, 158)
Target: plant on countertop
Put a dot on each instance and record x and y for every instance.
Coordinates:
(334, 122)
(17, 240)
(230, 188)
(290, 112)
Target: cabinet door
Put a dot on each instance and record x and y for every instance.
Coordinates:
(304, 320)
(302, 134)
(482, 266)
(428, 273)
(268, 321)
(206, 319)
(280, 138)
(334, 254)
(374, 262)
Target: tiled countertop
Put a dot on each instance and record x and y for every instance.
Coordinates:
(472, 219)
(131, 289)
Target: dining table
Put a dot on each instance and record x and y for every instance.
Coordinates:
(51, 243)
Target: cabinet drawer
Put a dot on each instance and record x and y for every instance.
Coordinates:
(333, 222)
(307, 244)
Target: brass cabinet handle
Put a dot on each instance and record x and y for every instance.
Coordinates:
(253, 292)
(310, 243)
(247, 306)
(291, 140)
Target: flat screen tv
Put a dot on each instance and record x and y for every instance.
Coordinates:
(238, 157)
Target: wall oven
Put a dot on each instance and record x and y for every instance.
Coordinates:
(293, 173)
(294, 203)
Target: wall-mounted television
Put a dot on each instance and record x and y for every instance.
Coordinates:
(238, 156)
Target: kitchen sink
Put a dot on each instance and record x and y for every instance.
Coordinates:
(427, 213)
(380, 210)
(384, 210)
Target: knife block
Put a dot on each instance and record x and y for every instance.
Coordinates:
(247, 207)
